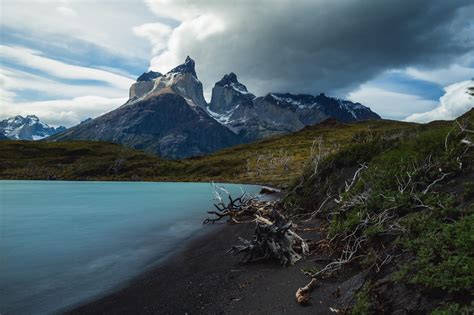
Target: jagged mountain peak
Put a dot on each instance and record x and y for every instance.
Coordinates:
(227, 79)
(230, 80)
(22, 120)
(181, 80)
(149, 76)
(186, 67)
(27, 128)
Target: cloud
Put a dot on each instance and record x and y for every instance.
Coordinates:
(392, 105)
(19, 84)
(310, 46)
(444, 76)
(66, 11)
(457, 100)
(33, 59)
(73, 92)
(66, 112)
(107, 24)
(157, 33)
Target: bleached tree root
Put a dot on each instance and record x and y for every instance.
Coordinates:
(272, 239)
(303, 293)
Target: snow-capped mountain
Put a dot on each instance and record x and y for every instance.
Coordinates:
(27, 128)
(181, 80)
(256, 117)
(167, 114)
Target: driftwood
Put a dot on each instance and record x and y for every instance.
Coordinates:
(239, 210)
(273, 236)
(272, 239)
(302, 294)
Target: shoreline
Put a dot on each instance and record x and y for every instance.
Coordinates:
(104, 180)
(201, 278)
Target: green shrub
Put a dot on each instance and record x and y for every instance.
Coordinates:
(454, 309)
(362, 302)
(468, 192)
(444, 253)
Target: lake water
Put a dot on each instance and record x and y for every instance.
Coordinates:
(62, 243)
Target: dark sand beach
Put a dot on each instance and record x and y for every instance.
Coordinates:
(203, 279)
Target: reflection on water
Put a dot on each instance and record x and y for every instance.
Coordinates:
(64, 242)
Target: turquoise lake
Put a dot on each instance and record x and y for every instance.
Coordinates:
(63, 243)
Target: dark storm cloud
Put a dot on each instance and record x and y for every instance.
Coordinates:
(313, 46)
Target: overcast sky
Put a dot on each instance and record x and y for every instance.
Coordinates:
(67, 60)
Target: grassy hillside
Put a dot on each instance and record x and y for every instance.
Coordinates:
(80, 160)
(276, 160)
(401, 211)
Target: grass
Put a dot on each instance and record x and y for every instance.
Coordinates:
(80, 160)
(274, 161)
(362, 302)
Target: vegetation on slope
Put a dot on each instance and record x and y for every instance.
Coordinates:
(80, 160)
(402, 208)
(275, 161)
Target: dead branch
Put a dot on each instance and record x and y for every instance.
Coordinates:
(356, 175)
(463, 127)
(236, 210)
(435, 182)
(316, 154)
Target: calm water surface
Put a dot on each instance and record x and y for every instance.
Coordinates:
(62, 243)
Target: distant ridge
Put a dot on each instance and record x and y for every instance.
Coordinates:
(27, 128)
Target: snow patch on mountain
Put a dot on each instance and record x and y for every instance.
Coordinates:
(27, 128)
(224, 118)
(181, 80)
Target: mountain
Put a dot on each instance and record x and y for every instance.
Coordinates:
(256, 117)
(182, 81)
(27, 128)
(3, 137)
(165, 115)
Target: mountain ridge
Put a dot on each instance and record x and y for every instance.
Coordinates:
(27, 128)
(255, 117)
(233, 116)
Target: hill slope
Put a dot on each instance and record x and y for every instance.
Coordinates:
(274, 160)
(397, 212)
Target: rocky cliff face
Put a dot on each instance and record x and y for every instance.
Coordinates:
(27, 128)
(228, 93)
(181, 81)
(257, 117)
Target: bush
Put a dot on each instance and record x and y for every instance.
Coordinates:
(444, 253)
